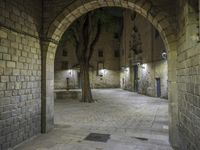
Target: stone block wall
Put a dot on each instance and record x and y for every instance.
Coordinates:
(147, 81)
(20, 71)
(110, 79)
(60, 81)
(188, 76)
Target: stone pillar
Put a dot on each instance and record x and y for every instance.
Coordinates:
(47, 116)
(173, 98)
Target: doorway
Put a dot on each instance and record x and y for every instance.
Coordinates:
(79, 80)
(158, 87)
(135, 78)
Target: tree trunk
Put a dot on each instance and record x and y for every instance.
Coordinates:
(85, 42)
(86, 89)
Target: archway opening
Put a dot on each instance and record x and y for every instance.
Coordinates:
(136, 47)
(133, 58)
(159, 19)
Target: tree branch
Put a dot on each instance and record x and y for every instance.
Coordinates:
(80, 27)
(96, 38)
(85, 33)
(75, 34)
(77, 48)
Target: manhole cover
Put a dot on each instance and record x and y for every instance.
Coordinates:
(97, 137)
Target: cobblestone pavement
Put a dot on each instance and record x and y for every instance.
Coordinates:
(135, 122)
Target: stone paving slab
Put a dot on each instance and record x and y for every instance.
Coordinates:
(127, 116)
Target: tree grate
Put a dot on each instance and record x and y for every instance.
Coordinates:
(97, 137)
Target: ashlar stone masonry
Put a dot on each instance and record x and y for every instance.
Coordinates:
(30, 32)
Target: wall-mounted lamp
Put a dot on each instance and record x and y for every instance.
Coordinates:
(69, 73)
(164, 55)
(127, 69)
(144, 66)
(100, 69)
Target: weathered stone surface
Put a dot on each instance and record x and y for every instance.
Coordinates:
(67, 94)
(19, 105)
(19, 33)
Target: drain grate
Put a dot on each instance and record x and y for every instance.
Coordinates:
(97, 137)
(141, 138)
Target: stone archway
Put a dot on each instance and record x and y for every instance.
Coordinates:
(159, 19)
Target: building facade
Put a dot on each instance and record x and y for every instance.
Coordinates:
(130, 59)
(143, 58)
(104, 64)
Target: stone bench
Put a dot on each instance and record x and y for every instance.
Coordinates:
(67, 94)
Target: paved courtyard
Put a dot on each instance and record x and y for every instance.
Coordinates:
(134, 122)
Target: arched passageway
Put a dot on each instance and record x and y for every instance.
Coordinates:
(159, 19)
(29, 35)
(115, 112)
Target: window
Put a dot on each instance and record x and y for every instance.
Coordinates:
(116, 35)
(64, 52)
(116, 53)
(100, 54)
(156, 34)
(64, 65)
(122, 52)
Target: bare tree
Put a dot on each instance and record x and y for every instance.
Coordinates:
(86, 31)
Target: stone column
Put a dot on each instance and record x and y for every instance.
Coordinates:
(173, 97)
(48, 53)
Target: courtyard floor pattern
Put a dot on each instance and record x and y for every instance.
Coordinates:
(134, 122)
